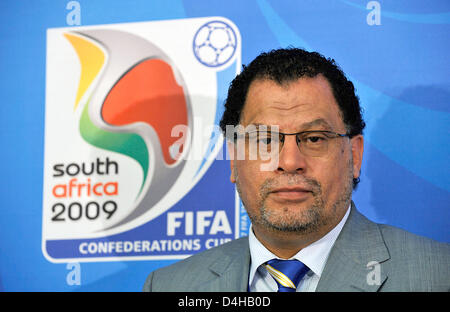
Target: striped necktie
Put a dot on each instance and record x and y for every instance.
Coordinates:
(287, 273)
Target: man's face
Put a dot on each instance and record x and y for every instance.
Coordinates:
(303, 194)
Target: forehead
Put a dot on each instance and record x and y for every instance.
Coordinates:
(293, 106)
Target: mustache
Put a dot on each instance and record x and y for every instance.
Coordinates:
(284, 180)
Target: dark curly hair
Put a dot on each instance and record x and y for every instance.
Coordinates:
(286, 65)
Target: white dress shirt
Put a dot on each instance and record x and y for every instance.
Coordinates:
(314, 256)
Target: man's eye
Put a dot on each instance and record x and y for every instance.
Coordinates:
(315, 139)
(265, 140)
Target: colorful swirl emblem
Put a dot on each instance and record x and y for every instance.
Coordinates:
(135, 97)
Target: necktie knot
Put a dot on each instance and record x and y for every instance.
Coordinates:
(287, 273)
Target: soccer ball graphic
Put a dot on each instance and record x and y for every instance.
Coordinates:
(214, 43)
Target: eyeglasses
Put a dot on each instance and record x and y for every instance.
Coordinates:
(313, 143)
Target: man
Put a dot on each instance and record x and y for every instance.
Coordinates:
(306, 233)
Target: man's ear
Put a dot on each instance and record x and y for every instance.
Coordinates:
(231, 154)
(357, 153)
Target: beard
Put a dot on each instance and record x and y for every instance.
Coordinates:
(307, 220)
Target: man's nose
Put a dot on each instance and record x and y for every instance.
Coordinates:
(291, 160)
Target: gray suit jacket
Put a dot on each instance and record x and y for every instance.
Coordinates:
(365, 257)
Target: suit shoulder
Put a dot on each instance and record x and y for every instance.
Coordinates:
(202, 259)
(177, 276)
(423, 262)
(411, 244)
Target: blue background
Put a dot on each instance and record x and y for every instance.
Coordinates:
(400, 69)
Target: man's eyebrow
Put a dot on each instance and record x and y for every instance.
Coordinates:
(316, 122)
(259, 124)
(307, 125)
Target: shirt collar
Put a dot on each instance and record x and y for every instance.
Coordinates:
(314, 255)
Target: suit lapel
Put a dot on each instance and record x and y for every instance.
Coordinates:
(356, 260)
(230, 271)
